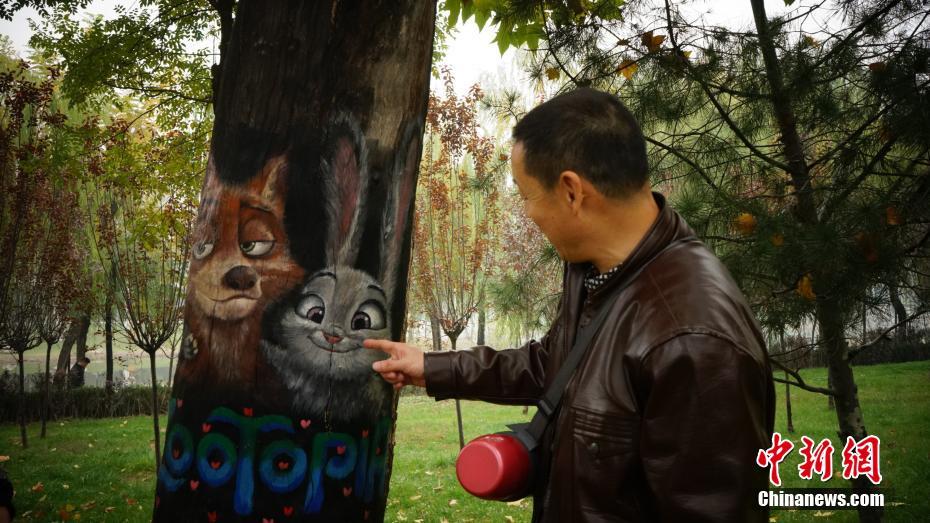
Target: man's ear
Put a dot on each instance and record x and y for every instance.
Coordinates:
(572, 188)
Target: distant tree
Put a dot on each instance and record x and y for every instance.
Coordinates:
(524, 292)
(456, 212)
(29, 189)
(144, 206)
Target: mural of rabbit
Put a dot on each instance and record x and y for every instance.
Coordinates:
(314, 338)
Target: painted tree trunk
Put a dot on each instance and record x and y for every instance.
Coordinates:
(300, 252)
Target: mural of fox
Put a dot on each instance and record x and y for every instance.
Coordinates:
(240, 263)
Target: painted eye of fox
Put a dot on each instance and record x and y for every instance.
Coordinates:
(369, 316)
(256, 248)
(202, 250)
(312, 308)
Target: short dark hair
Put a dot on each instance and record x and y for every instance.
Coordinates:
(85, 359)
(587, 131)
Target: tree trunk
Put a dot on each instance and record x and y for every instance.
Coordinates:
(829, 315)
(320, 108)
(458, 406)
(900, 312)
(46, 383)
(171, 364)
(784, 350)
(481, 323)
(155, 409)
(437, 333)
(848, 411)
(788, 405)
(22, 400)
(76, 335)
(108, 343)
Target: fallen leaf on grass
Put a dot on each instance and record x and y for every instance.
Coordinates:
(414, 498)
(509, 519)
(820, 514)
(65, 486)
(109, 509)
(453, 502)
(4, 458)
(517, 503)
(89, 505)
(38, 487)
(130, 501)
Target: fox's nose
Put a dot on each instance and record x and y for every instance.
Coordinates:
(332, 339)
(240, 278)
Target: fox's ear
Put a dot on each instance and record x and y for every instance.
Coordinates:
(398, 209)
(210, 194)
(345, 187)
(273, 182)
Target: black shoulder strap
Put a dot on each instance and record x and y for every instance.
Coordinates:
(532, 434)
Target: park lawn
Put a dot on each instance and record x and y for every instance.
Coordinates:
(102, 470)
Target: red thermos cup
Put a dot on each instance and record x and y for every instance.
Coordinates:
(495, 466)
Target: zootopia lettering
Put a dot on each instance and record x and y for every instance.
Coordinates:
(282, 466)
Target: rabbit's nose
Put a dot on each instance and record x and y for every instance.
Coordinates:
(332, 339)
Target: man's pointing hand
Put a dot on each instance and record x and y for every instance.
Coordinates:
(405, 365)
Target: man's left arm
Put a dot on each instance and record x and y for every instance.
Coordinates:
(706, 406)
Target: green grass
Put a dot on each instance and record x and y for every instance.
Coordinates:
(103, 469)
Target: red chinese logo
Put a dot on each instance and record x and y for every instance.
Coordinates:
(816, 460)
(773, 456)
(861, 459)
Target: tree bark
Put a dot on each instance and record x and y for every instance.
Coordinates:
(46, 383)
(320, 108)
(22, 400)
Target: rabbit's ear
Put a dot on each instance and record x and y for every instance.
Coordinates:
(398, 210)
(345, 187)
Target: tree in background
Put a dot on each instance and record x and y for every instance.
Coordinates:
(525, 290)
(456, 213)
(35, 242)
(797, 149)
(144, 211)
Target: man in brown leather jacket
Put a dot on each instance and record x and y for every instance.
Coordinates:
(664, 416)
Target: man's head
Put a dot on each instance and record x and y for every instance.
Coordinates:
(589, 132)
(578, 159)
(84, 362)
